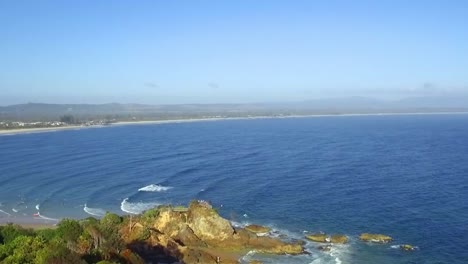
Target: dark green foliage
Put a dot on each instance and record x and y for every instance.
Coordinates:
(149, 215)
(72, 241)
(47, 234)
(69, 119)
(22, 249)
(57, 253)
(9, 232)
(111, 220)
(69, 230)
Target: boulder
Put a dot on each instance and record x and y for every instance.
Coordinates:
(375, 238)
(319, 237)
(186, 237)
(325, 248)
(257, 229)
(339, 239)
(407, 247)
(207, 224)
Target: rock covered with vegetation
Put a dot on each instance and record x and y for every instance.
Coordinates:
(166, 234)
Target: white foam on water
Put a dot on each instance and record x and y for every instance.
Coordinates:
(1, 211)
(154, 188)
(15, 210)
(47, 218)
(247, 257)
(37, 206)
(94, 211)
(136, 208)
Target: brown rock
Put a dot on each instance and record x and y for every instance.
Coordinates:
(257, 229)
(407, 247)
(339, 239)
(319, 237)
(375, 238)
(186, 237)
(207, 224)
(324, 248)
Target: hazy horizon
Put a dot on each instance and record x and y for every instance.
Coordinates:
(231, 52)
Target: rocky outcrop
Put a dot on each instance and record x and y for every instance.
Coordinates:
(258, 229)
(207, 224)
(319, 237)
(375, 238)
(407, 247)
(338, 239)
(324, 238)
(201, 235)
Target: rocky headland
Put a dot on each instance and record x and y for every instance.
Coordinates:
(198, 234)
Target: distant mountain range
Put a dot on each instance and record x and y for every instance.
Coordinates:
(49, 112)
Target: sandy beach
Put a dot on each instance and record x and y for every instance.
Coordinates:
(189, 120)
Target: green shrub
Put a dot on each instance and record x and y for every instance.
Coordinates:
(69, 230)
(9, 232)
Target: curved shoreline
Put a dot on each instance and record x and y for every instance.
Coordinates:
(19, 131)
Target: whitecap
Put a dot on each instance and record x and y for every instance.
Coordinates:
(94, 211)
(1, 211)
(37, 206)
(154, 188)
(47, 218)
(136, 208)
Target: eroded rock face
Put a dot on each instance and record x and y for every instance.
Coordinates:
(200, 235)
(375, 238)
(207, 224)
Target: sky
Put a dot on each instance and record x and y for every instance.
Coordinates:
(168, 52)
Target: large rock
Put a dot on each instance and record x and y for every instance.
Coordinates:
(257, 229)
(319, 237)
(407, 247)
(375, 238)
(207, 224)
(187, 237)
(338, 239)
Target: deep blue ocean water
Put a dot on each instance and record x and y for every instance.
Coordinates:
(401, 175)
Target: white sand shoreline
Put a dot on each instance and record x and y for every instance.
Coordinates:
(189, 120)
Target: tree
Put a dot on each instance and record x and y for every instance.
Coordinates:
(69, 119)
(70, 230)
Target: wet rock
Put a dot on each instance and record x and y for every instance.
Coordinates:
(325, 248)
(339, 239)
(407, 247)
(257, 229)
(318, 237)
(375, 238)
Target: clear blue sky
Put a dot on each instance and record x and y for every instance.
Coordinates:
(230, 51)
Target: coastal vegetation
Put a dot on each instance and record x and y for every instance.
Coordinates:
(165, 234)
(194, 234)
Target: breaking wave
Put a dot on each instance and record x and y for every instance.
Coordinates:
(94, 211)
(154, 188)
(136, 208)
(46, 218)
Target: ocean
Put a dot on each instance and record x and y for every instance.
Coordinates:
(401, 175)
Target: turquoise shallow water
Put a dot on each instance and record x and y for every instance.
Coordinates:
(405, 176)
